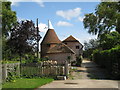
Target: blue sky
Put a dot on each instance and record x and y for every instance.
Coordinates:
(66, 17)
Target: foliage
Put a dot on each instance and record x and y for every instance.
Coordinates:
(105, 18)
(23, 37)
(68, 59)
(93, 43)
(108, 41)
(8, 18)
(7, 61)
(104, 42)
(46, 58)
(27, 83)
(79, 61)
(89, 47)
(18, 38)
(110, 59)
(12, 75)
(31, 59)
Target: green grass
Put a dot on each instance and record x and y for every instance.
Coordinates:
(27, 83)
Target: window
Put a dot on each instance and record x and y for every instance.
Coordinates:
(66, 43)
(48, 45)
(77, 47)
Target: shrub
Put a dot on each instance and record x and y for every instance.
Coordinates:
(79, 61)
(110, 59)
(11, 77)
(32, 59)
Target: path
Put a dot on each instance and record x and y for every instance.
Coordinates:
(89, 75)
(89, 70)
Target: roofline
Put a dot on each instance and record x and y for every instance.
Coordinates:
(70, 41)
(59, 52)
(48, 43)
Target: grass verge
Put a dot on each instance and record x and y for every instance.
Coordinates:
(27, 83)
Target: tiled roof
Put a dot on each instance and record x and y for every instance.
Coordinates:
(51, 37)
(60, 48)
(70, 38)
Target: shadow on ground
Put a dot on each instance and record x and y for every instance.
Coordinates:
(93, 71)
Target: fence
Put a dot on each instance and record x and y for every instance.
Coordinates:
(42, 69)
(35, 69)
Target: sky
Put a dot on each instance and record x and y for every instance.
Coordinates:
(66, 17)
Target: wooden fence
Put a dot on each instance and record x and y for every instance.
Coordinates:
(35, 69)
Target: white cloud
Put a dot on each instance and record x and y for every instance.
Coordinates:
(40, 2)
(16, 2)
(80, 18)
(42, 27)
(71, 13)
(20, 19)
(63, 23)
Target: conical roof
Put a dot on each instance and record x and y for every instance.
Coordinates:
(50, 36)
(60, 48)
(70, 39)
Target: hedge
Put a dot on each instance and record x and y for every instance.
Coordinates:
(110, 59)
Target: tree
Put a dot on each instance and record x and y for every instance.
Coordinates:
(108, 41)
(105, 18)
(89, 47)
(23, 37)
(104, 42)
(92, 44)
(8, 18)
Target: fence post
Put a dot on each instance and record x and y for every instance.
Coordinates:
(0, 76)
(18, 69)
(66, 68)
(4, 72)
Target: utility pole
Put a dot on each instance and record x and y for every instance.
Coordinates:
(37, 39)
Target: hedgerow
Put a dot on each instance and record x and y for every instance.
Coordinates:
(110, 59)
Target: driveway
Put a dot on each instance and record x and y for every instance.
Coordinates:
(89, 70)
(82, 84)
(89, 75)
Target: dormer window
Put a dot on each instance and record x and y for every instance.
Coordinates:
(77, 47)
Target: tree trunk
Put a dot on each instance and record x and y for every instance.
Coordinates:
(20, 63)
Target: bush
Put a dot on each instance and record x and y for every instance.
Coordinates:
(79, 61)
(32, 59)
(110, 59)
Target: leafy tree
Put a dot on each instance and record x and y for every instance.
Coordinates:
(23, 37)
(8, 18)
(104, 42)
(89, 47)
(93, 43)
(108, 41)
(105, 18)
